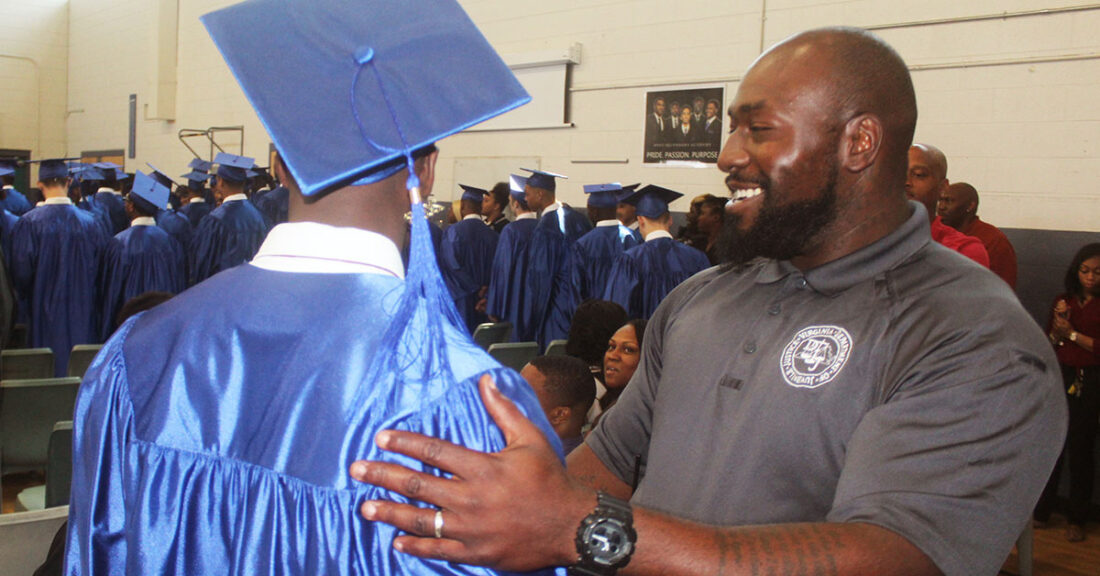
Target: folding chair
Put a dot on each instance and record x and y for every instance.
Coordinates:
(556, 348)
(26, 363)
(514, 355)
(25, 538)
(81, 357)
(28, 411)
(485, 335)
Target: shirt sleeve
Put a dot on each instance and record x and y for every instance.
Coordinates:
(956, 456)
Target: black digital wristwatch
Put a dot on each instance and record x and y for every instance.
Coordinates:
(605, 538)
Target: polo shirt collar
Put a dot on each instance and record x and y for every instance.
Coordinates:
(864, 264)
(311, 247)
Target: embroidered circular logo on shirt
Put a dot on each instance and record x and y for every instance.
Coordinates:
(815, 356)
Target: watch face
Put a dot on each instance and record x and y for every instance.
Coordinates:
(607, 541)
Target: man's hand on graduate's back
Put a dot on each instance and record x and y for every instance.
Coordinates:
(514, 510)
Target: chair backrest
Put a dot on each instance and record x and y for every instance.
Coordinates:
(28, 411)
(485, 335)
(556, 348)
(26, 363)
(25, 538)
(59, 464)
(81, 357)
(514, 355)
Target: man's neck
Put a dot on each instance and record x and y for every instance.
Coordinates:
(848, 234)
(48, 193)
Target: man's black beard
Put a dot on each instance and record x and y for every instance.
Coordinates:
(780, 232)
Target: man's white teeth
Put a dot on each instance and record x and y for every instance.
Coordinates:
(746, 194)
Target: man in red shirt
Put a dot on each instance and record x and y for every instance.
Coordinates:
(926, 180)
(958, 208)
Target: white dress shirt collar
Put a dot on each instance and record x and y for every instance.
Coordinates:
(311, 247)
(555, 206)
(526, 216)
(608, 223)
(656, 234)
(109, 191)
(144, 221)
(235, 198)
(61, 200)
(473, 217)
(196, 200)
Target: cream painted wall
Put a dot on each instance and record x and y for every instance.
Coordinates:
(33, 75)
(1013, 101)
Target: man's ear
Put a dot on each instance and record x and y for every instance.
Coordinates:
(425, 168)
(861, 143)
(559, 415)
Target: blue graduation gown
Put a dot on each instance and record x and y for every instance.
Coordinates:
(466, 262)
(139, 259)
(645, 274)
(95, 208)
(274, 205)
(55, 260)
(550, 297)
(16, 203)
(7, 222)
(115, 207)
(507, 297)
(593, 256)
(228, 237)
(221, 443)
(195, 211)
(177, 226)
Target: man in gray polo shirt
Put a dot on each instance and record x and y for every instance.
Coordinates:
(844, 397)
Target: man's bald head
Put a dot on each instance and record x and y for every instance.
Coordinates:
(958, 205)
(859, 74)
(927, 176)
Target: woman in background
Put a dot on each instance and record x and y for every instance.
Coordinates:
(1074, 327)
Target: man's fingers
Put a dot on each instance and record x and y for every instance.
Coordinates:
(442, 548)
(431, 451)
(397, 478)
(512, 422)
(411, 519)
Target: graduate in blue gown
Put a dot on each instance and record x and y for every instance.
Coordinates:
(142, 258)
(220, 443)
(274, 205)
(466, 257)
(596, 252)
(7, 220)
(109, 199)
(231, 234)
(645, 274)
(549, 292)
(11, 199)
(194, 207)
(56, 250)
(506, 300)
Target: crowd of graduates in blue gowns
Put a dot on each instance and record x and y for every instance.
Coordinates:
(551, 258)
(91, 237)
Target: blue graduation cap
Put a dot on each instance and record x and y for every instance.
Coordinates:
(200, 165)
(603, 195)
(164, 179)
(148, 193)
(6, 169)
(106, 165)
(89, 174)
(233, 168)
(473, 194)
(195, 176)
(52, 168)
(517, 187)
(626, 192)
(652, 201)
(542, 179)
(362, 84)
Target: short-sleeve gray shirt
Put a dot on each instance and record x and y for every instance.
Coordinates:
(902, 385)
